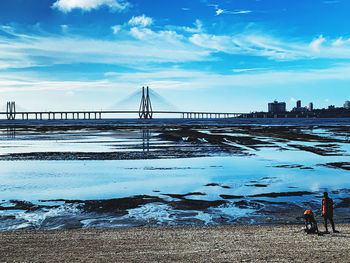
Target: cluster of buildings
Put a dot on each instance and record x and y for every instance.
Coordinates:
(280, 107)
(278, 110)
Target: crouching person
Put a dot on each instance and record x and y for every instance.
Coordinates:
(310, 222)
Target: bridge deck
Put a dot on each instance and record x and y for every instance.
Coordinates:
(64, 115)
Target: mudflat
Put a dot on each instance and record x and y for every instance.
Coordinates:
(176, 244)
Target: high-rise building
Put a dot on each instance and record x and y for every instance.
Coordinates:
(311, 106)
(298, 103)
(298, 107)
(347, 104)
(277, 106)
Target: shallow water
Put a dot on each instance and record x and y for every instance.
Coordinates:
(231, 179)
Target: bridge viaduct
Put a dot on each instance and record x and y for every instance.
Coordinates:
(145, 112)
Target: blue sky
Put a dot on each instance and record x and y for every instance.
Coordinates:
(233, 55)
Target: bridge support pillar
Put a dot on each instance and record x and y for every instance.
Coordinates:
(11, 110)
(145, 110)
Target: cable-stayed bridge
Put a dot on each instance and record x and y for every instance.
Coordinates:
(145, 111)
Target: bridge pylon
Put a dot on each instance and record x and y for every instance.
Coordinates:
(11, 110)
(145, 110)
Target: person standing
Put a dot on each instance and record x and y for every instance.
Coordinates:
(327, 212)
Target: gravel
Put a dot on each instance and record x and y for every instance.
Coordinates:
(174, 244)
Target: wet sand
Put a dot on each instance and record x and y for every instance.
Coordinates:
(179, 140)
(189, 244)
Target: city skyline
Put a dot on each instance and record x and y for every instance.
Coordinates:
(231, 56)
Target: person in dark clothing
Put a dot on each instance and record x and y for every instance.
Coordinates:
(310, 222)
(327, 212)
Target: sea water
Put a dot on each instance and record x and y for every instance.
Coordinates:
(267, 170)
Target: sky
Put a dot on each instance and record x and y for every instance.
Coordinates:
(205, 55)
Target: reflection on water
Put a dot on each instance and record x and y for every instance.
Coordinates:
(14, 140)
(11, 133)
(146, 135)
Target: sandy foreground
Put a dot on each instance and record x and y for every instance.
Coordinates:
(187, 244)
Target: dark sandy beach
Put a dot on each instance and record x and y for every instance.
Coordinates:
(190, 244)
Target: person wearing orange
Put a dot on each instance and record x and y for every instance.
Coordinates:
(310, 222)
(327, 212)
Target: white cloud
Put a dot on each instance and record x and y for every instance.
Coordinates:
(340, 42)
(192, 79)
(116, 29)
(165, 36)
(241, 12)
(218, 43)
(250, 44)
(259, 44)
(87, 5)
(141, 21)
(198, 27)
(239, 70)
(149, 46)
(64, 28)
(237, 12)
(331, 2)
(162, 46)
(219, 11)
(28, 82)
(140, 33)
(316, 43)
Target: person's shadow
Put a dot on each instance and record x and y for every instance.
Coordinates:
(345, 234)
